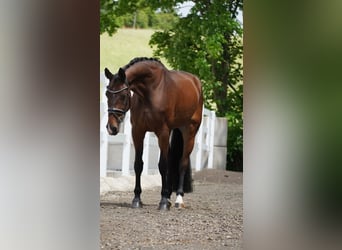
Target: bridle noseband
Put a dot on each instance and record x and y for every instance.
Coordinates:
(119, 113)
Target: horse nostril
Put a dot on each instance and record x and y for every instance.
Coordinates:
(112, 130)
(115, 130)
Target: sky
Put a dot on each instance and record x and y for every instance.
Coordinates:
(185, 8)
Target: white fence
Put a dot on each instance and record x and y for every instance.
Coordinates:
(203, 153)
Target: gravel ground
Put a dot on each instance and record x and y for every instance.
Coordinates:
(212, 218)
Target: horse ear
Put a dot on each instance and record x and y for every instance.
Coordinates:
(122, 74)
(108, 74)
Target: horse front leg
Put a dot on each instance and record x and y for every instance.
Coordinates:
(138, 139)
(163, 140)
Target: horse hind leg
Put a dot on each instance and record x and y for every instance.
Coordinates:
(179, 203)
(185, 178)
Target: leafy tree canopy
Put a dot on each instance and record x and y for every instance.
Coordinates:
(208, 43)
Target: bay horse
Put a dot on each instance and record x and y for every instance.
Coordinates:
(166, 102)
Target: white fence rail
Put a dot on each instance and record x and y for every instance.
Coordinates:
(203, 153)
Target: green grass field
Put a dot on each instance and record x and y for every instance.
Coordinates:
(124, 45)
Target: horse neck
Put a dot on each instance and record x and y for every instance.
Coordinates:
(142, 79)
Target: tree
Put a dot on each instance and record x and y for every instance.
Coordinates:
(108, 21)
(135, 14)
(111, 10)
(208, 43)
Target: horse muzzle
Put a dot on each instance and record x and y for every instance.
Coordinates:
(112, 130)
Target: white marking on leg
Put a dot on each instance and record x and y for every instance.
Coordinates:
(179, 199)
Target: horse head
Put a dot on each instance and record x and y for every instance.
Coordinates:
(118, 100)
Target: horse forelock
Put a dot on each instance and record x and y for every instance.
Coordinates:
(113, 83)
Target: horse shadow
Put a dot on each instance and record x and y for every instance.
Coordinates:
(106, 204)
(114, 204)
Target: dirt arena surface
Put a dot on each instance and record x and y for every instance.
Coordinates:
(212, 218)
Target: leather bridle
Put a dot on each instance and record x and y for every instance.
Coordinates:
(119, 114)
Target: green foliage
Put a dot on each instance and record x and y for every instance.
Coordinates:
(164, 21)
(208, 43)
(108, 21)
(235, 130)
(115, 14)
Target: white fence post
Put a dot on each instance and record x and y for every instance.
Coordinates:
(211, 134)
(103, 146)
(103, 130)
(199, 146)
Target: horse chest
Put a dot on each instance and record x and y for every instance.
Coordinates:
(149, 118)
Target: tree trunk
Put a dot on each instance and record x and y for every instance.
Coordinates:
(135, 20)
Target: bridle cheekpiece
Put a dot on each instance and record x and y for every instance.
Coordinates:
(120, 113)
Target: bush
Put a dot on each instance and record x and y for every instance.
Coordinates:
(235, 143)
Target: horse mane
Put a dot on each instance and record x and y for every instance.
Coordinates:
(141, 59)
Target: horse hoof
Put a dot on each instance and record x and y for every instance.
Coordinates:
(137, 204)
(164, 206)
(179, 205)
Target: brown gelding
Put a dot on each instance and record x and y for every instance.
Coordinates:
(165, 102)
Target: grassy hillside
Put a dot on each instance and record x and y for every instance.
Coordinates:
(118, 50)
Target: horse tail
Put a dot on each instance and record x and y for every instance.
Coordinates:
(175, 155)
